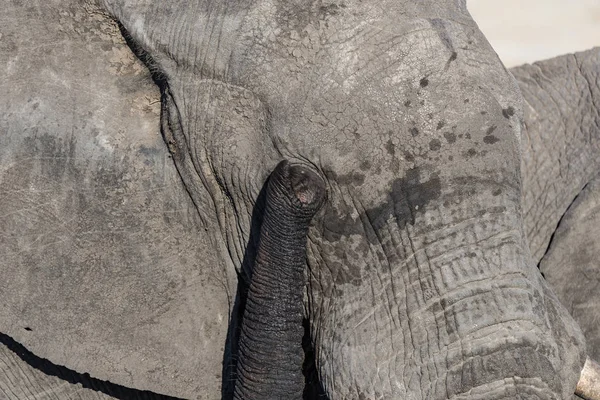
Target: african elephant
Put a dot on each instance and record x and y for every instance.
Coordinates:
(128, 253)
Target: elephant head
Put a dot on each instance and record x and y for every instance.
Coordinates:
(420, 280)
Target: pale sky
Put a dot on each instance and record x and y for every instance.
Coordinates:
(523, 31)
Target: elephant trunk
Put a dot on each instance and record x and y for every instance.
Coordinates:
(270, 351)
(588, 387)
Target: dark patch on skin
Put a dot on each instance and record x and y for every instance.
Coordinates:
(435, 145)
(149, 151)
(407, 103)
(466, 186)
(409, 157)
(471, 153)
(490, 130)
(424, 82)
(483, 112)
(452, 57)
(338, 222)
(508, 112)
(468, 135)
(490, 139)
(492, 210)
(347, 270)
(365, 165)
(439, 26)
(390, 148)
(440, 125)
(395, 166)
(450, 158)
(414, 131)
(355, 178)
(352, 179)
(466, 101)
(331, 9)
(408, 197)
(450, 137)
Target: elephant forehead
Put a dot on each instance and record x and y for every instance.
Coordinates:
(372, 94)
(334, 46)
(285, 50)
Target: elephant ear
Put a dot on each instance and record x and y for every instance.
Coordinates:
(561, 185)
(561, 138)
(571, 263)
(106, 267)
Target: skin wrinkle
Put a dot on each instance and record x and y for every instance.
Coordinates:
(409, 258)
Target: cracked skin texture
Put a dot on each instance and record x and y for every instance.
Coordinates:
(418, 264)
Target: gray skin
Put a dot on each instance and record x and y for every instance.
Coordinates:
(123, 253)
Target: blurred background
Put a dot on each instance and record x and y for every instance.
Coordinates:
(523, 31)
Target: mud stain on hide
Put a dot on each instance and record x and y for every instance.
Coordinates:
(390, 148)
(490, 130)
(365, 165)
(439, 26)
(490, 139)
(450, 137)
(508, 112)
(408, 196)
(435, 145)
(353, 179)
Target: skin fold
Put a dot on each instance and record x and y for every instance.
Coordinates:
(134, 212)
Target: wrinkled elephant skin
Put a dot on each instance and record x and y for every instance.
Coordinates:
(421, 284)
